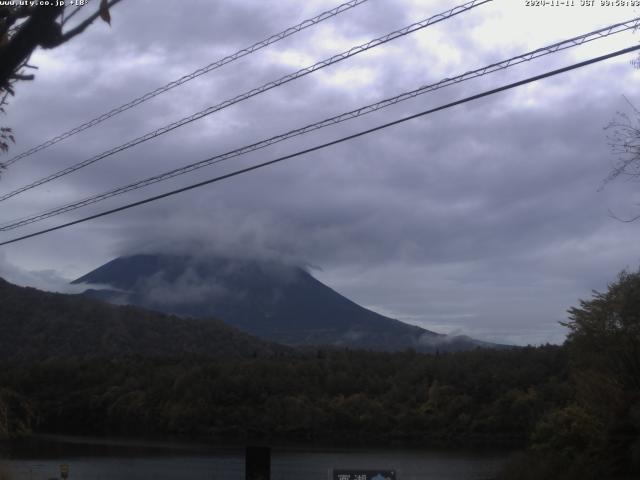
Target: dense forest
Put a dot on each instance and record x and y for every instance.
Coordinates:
(483, 395)
(37, 325)
(576, 407)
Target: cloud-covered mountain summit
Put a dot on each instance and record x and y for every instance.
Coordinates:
(267, 298)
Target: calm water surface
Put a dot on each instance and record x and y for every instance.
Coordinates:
(109, 459)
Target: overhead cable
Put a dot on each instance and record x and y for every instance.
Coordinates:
(565, 44)
(186, 78)
(328, 144)
(251, 93)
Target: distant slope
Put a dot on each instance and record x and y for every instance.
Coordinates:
(268, 299)
(36, 325)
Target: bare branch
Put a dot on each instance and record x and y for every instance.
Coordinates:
(624, 141)
(72, 14)
(19, 76)
(81, 27)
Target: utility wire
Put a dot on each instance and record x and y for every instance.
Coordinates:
(256, 91)
(201, 71)
(331, 143)
(565, 44)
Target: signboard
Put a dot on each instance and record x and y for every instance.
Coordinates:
(364, 475)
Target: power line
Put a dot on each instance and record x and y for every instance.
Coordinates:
(186, 78)
(256, 91)
(328, 144)
(565, 44)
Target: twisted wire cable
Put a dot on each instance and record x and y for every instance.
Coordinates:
(502, 65)
(251, 93)
(186, 78)
(328, 144)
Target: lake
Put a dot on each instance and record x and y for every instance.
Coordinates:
(39, 458)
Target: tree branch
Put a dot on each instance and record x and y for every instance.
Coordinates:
(81, 27)
(72, 14)
(19, 76)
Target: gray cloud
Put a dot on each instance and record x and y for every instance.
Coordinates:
(43, 279)
(484, 219)
(188, 287)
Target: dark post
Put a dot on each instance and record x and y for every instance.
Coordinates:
(258, 463)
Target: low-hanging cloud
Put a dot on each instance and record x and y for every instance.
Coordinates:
(484, 219)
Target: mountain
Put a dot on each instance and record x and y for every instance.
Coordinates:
(36, 325)
(265, 298)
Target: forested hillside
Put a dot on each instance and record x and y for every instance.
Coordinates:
(36, 325)
(576, 406)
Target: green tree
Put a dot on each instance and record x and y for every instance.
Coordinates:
(604, 332)
(604, 349)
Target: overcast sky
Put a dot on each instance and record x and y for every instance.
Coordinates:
(485, 219)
